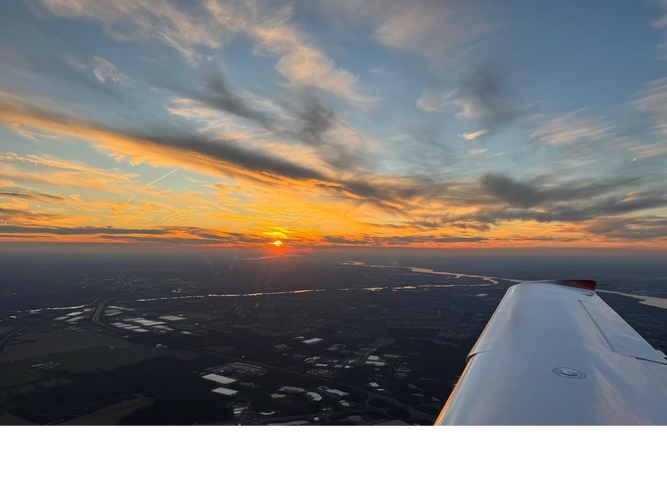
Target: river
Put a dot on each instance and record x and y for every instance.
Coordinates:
(492, 280)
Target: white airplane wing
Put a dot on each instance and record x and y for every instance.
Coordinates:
(554, 353)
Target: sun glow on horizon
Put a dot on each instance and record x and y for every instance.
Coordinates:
(278, 243)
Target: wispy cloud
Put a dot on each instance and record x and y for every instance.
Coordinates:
(473, 135)
(104, 70)
(432, 102)
(40, 64)
(302, 63)
(661, 24)
(653, 100)
(434, 29)
(146, 20)
(32, 196)
(569, 129)
(65, 174)
(482, 96)
(211, 24)
(23, 216)
(67, 165)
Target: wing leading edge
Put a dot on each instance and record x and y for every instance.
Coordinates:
(554, 353)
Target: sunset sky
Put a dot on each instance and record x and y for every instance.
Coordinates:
(420, 123)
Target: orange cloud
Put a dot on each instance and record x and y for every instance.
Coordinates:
(66, 179)
(269, 197)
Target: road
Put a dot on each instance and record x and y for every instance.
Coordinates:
(9, 336)
(126, 282)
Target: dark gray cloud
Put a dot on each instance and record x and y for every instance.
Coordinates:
(583, 211)
(471, 225)
(612, 206)
(33, 196)
(425, 223)
(634, 228)
(314, 123)
(160, 234)
(457, 239)
(251, 160)
(312, 115)
(9, 214)
(212, 235)
(429, 134)
(528, 194)
(486, 89)
(173, 240)
(218, 94)
(306, 117)
(341, 240)
(559, 212)
(550, 199)
(173, 235)
(73, 231)
(316, 117)
(399, 240)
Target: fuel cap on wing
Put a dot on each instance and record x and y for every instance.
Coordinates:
(568, 373)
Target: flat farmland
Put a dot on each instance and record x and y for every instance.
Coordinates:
(38, 344)
(20, 372)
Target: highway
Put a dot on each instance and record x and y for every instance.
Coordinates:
(125, 282)
(9, 336)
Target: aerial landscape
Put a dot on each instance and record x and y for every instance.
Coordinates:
(305, 213)
(178, 339)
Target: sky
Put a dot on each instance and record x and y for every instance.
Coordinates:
(334, 123)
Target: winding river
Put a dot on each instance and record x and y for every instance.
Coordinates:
(489, 281)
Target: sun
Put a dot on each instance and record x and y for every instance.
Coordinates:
(278, 243)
